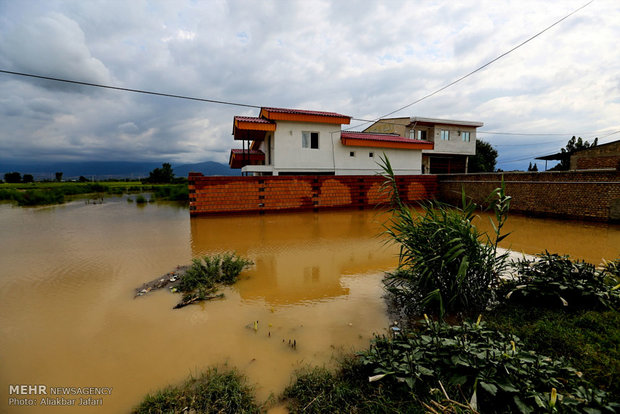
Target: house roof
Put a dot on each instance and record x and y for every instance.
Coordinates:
(438, 121)
(302, 115)
(365, 139)
(249, 152)
(251, 128)
(253, 120)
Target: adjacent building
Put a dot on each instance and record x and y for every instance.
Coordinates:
(604, 156)
(453, 141)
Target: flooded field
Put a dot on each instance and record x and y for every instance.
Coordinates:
(68, 317)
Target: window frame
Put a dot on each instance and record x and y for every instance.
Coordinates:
(445, 135)
(465, 134)
(307, 141)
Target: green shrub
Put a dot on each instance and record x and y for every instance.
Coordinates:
(443, 257)
(176, 192)
(141, 199)
(214, 391)
(555, 281)
(39, 197)
(481, 367)
(200, 281)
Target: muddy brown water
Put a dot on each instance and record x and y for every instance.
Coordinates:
(68, 317)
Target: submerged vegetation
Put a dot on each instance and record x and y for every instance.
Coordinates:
(214, 391)
(46, 193)
(202, 279)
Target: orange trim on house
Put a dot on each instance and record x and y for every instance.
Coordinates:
(254, 126)
(353, 142)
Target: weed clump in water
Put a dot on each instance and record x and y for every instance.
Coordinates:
(202, 279)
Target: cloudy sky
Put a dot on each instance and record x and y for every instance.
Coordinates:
(359, 58)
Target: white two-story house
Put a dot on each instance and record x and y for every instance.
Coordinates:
(298, 142)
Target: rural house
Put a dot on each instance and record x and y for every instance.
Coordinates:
(453, 141)
(299, 142)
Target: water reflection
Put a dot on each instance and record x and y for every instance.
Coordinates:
(298, 257)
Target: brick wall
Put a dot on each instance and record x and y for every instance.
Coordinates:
(600, 156)
(588, 195)
(223, 195)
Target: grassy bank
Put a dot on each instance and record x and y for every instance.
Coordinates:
(45, 193)
(214, 391)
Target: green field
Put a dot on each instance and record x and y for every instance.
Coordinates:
(46, 193)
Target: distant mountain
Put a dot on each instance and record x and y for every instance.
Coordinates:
(206, 168)
(101, 170)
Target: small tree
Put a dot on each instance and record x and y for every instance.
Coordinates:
(485, 158)
(13, 177)
(532, 167)
(83, 179)
(161, 175)
(28, 178)
(59, 176)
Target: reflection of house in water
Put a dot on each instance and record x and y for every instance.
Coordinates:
(298, 257)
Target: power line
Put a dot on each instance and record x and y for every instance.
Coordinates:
(168, 95)
(535, 134)
(97, 85)
(479, 68)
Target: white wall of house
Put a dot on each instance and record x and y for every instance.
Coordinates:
(403, 161)
(287, 154)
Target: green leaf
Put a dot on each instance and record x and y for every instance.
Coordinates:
(490, 388)
(524, 408)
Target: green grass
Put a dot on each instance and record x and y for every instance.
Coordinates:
(347, 390)
(589, 340)
(214, 391)
(45, 193)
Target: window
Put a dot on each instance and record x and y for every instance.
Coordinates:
(352, 154)
(310, 139)
(465, 136)
(445, 135)
(371, 154)
(416, 134)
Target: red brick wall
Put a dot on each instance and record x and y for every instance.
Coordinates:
(588, 195)
(221, 195)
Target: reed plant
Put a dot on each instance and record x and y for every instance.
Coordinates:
(443, 260)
